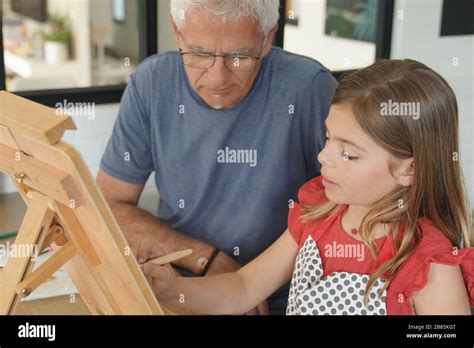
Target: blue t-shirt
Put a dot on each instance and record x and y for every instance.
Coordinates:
(225, 177)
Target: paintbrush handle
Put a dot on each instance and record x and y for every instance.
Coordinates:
(162, 260)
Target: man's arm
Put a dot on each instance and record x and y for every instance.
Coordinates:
(123, 197)
(228, 293)
(145, 230)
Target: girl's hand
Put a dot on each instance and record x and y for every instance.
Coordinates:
(223, 263)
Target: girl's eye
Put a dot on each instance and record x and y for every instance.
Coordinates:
(344, 154)
(346, 157)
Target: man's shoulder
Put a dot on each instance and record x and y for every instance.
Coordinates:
(295, 66)
(172, 57)
(157, 75)
(166, 63)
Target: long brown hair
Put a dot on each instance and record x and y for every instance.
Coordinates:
(438, 191)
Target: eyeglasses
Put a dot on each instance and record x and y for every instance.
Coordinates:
(233, 62)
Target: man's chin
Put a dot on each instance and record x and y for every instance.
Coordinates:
(217, 104)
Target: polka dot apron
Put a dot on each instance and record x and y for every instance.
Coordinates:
(338, 293)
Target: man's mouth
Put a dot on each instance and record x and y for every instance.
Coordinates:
(219, 92)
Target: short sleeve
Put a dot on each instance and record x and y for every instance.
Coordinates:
(128, 155)
(316, 108)
(311, 193)
(413, 276)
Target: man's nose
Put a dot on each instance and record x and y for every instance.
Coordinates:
(218, 74)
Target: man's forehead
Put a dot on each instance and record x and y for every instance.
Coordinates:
(203, 33)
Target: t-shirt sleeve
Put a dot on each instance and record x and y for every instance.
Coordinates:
(414, 274)
(316, 109)
(128, 153)
(311, 193)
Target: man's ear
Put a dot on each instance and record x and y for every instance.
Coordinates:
(269, 41)
(406, 172)
(175, 31)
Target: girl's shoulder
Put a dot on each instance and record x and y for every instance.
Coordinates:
(434, 247)
(310, 193)
(433, 241)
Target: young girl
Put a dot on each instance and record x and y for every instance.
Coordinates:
(385, 229)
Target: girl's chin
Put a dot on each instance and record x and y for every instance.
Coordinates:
(332, 197)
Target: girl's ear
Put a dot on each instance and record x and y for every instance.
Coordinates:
(406, 172)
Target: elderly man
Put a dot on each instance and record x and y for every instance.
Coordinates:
(230, 125)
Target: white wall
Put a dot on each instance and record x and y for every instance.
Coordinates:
(416, 31)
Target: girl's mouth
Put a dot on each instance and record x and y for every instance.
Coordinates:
(327, 183)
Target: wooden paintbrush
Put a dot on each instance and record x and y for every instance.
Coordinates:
(162, 260)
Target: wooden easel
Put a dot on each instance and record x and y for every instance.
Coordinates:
(67, 211)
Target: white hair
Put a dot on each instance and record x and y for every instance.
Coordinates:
(264, 12)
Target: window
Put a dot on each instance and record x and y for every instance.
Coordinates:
(85, 50)
(75, 48)
(342, 34)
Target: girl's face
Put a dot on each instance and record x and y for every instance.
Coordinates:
(355, 168)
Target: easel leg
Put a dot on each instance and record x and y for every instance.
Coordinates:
(33, 229)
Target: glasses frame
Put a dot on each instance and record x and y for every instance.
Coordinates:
(223, 56)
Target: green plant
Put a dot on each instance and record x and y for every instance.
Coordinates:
(56, 20)
(57, 36)
(58, 30)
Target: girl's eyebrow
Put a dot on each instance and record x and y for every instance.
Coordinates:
(345, 141)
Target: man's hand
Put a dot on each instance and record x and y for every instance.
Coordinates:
(223, 263)
(144, 247)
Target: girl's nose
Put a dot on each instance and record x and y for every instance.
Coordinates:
(324, 158)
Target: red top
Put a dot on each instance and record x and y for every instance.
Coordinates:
(412, 275)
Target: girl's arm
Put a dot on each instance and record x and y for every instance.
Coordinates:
(444, 293)
(228, 293)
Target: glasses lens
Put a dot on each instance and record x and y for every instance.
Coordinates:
(240, 63)
(204, 61)
(199, 61)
